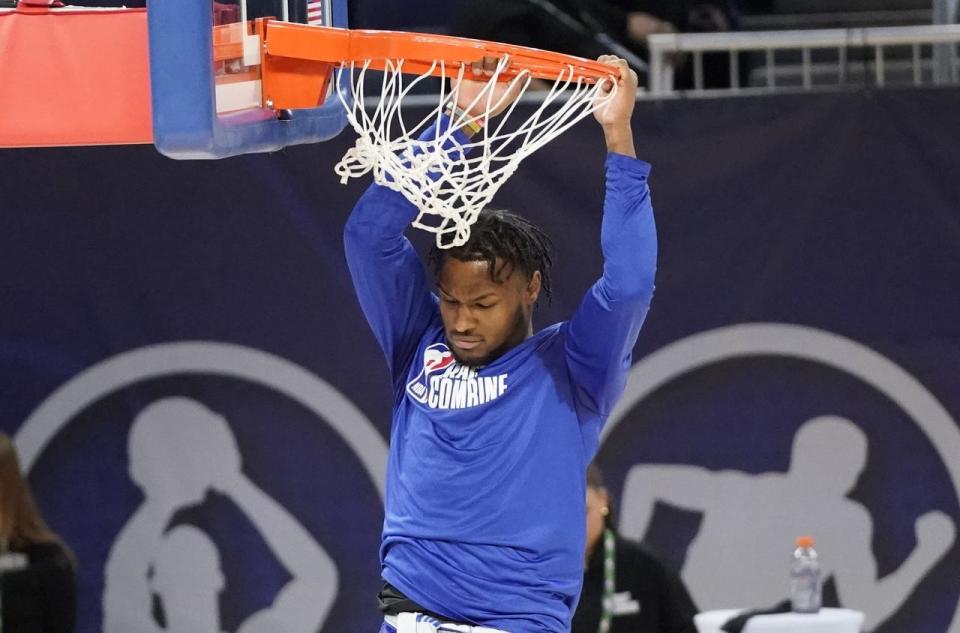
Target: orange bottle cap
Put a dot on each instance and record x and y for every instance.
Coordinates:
(804, 541)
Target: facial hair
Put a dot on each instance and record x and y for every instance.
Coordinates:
(518, 333)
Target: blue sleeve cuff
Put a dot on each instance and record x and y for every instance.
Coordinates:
(627, 164)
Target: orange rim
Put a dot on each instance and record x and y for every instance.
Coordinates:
(420, 52)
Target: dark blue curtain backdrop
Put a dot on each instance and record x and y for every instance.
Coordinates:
(837, 212)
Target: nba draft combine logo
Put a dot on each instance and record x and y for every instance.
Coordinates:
(443, 383)
(208, 470)
(729, 443)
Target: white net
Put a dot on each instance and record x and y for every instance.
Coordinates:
(448, 182)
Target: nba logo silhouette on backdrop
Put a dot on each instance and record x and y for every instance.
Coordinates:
(730, 443)
(221, 516)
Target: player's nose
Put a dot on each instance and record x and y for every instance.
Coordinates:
(463, 321)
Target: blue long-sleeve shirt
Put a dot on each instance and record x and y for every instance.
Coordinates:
(485, 517)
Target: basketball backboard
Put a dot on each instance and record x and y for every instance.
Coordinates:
(207, 95)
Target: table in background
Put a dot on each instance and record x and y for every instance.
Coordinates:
(825, 621)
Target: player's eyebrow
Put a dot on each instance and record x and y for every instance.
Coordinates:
(479, 298)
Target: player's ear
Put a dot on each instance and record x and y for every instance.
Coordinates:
(533, 287)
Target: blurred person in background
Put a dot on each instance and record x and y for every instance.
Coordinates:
(641, 594)
(37, 578)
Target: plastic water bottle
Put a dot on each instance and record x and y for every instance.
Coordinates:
(805, 577)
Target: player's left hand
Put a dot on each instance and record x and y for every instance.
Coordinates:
(476, 82)
(618, 111)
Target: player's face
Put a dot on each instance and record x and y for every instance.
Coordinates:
(482, 317)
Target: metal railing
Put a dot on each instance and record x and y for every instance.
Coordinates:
(871, 42)
(832, 20)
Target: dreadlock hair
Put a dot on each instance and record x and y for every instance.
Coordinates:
(499, 234)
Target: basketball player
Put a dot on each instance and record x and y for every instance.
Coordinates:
(494, 424)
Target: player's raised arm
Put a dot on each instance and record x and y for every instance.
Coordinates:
(602, 332)
(389, 280)
(615, 117)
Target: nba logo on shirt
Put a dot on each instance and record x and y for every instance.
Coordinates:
(436, 357)
(443, 383)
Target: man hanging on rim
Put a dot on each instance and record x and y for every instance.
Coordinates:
(493, 423)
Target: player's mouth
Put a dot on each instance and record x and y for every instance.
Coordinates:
(465, 344)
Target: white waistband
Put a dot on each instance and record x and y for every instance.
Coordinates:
(419, 623)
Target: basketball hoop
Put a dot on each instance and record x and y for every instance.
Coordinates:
(450, 182)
